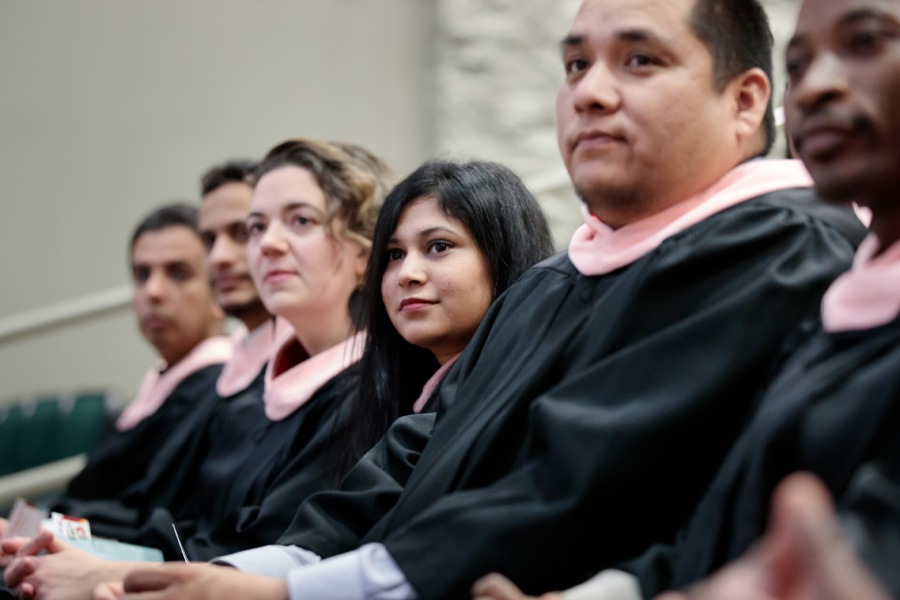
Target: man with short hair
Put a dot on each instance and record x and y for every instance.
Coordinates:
(177, 315)
(170, 478)
(601, 391)
(834, 409)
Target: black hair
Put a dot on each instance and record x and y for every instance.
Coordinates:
(169, 215)
(511, 231)
(738, 37)
(233, 171)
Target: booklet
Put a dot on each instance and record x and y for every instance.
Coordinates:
(26, 519)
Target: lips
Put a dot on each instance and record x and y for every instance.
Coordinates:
(278, 275)
(596, 138)
(155, 321)
(820, 137)
(415, 304)
(229, 281)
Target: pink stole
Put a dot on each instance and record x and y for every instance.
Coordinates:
(161, 381)
(252, 351)
(293, 388)
(868, 295)
(598, 249)
(431, 385)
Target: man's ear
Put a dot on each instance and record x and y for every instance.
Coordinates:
(751, 92)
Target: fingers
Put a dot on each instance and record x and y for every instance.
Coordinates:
(497, 587)
(13, 545)
(16, 573)
(42, 541)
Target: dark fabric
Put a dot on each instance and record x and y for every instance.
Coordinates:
(173, 474)
(834, 411)
(256, 473)
(128, 461)
(332, 522)
(593, 411)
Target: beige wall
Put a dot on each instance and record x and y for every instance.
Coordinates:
(109, 108)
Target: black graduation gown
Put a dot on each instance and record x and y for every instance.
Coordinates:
(171, 477)
(126, 458)
(593, 411)
(256, 472)
(833, 411)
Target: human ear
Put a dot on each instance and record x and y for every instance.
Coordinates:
(751, 92)
(360, 259)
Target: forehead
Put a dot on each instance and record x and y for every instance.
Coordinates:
(821, 15)
(168, 245)
(284, 186)
(665, 19)
(425, 213)
(225, 205)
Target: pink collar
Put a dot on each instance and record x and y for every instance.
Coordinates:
(252, 351)
(160, 382)
(431, 385)
(868, 295)
(598, 249)
(293, 388)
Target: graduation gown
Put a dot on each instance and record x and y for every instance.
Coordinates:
(594, 410)
(172, 474)
(833, 411)
(122, 460)
(256, 471)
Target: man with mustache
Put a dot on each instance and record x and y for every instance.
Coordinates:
(178, 317)
(834, 411)
(602, 390)
(171, 475)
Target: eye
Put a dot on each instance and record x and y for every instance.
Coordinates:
(140, 274)
(795, 67)
(439, 246)
(867, 41)
(255, 228)
(575, 65)
(208, 238)
(180, 273)
(394, 254)
(640, 60)
(239, 233)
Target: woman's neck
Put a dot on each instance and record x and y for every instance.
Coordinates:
(321, 333)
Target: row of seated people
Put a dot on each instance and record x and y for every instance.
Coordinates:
(630, 404)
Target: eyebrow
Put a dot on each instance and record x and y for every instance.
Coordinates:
(626, 35)
(850, 18)
(427, 232)
(286, 208)
(573, 39)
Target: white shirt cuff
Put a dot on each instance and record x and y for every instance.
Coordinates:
(610, 584)
(271, 561)
(368, 573)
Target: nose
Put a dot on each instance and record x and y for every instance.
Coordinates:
(412, 270)
(155, 286)
(824, 80)
(273, 241)
(222, 251)
(597, 89)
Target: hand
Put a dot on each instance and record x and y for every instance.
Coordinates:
(200, 581)
(802, 556)
(111, 590)
(497, 587)
(63, 574)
